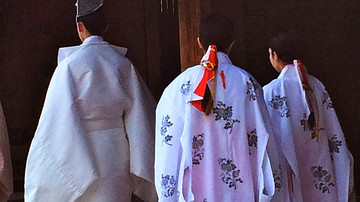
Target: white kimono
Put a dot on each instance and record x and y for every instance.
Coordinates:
(317, 169)
(95, 140)
(220, 157)
(6, 180)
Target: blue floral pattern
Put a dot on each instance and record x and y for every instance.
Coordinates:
(165, 124)
(252, 139)
(304, 123)
(168, 185)
(277, 179)
(230, 175)
(326, 100)
(322, 179)
(280, 103)
(222, 112)
(198, 149)
(251, 87)
(334, 145)
(306, 127)
(185, 88)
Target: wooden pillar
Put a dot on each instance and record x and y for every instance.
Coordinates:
(151, 13)
(190, 14)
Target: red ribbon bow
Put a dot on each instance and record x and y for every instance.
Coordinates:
(210, 64)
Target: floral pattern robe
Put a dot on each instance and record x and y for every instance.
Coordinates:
(220, 157)
(317, 169)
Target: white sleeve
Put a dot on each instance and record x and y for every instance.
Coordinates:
(341, 156)
(169, 154)
(267, 154)
(140, 124)
(59, 142)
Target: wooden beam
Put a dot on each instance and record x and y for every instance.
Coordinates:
(190, 14)
(151, 13)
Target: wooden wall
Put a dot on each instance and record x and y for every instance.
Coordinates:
(332, 42)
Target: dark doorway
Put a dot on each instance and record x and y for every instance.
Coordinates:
(169, 41)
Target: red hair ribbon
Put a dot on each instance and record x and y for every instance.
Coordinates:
(314, 117)
(210, 65)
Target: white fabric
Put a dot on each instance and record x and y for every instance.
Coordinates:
(6, 181)
(220, 157)
(316, 170)
(95, 139)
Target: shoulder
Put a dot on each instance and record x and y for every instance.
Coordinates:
(273, 83)
(291, 81)
(66, 52)
(238, 77)
(188, 77)
(277, 87)
(181, 88)
(236, 71)
(315, 81)
(318, 87)
(92, 56)
(190, 73)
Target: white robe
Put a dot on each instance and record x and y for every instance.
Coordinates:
(95, 139)
(6, 181)
(317, 170)
(220, 157)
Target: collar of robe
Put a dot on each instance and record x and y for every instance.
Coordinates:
(93, 39)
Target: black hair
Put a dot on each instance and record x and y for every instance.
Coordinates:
(94, 22)
(287, 44)
(216, 30)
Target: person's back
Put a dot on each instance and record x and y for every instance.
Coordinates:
(312, 142)
(94, 141)
(210, 134)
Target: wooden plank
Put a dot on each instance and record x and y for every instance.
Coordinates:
(190, 13)
(151, 13)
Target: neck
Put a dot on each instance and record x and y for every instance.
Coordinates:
(84, 35)
(280, 66)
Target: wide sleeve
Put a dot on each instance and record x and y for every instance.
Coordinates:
(273, 153)
(6, 181)
(265, 149)
(169, 151)
(59, 143)
(340, 155)
(277, 103)
(139, 122)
